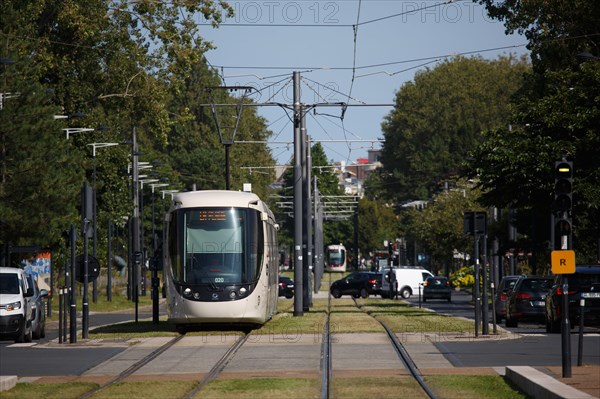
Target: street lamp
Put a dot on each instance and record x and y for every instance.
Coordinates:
(73, 130)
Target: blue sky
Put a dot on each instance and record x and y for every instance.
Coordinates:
(267, 40)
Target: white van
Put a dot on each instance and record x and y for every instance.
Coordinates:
(15, 305)
(408, 280)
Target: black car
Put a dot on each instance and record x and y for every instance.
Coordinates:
(286, 287)
(357, 284)
(525, 300)
(504, 288)
(583, 284)
(437, 287)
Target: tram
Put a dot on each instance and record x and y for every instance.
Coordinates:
(335, 258)
(220, 260)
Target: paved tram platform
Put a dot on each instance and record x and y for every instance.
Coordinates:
(366, 354)
(297, 354)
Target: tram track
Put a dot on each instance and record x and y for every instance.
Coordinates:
(135, 367)
(403, 355)
(219, 366)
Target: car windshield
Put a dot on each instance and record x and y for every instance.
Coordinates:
(9, 283)
(536, 285)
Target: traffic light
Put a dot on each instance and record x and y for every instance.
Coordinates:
(563, 185)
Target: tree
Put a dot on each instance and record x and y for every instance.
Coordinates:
(439, 229)
(555, 115)
(438, 117)
(377, 223)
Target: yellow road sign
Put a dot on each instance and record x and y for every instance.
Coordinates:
(563, 262)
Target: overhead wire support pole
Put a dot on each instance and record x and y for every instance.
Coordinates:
(228, 138)
(298, 265)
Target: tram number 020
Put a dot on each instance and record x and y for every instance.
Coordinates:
(219, 279)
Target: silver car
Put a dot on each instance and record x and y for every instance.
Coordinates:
(38, 308)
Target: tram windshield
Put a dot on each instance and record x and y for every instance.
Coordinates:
(219, 246)
(336, 256)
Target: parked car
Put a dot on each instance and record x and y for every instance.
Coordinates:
(526, 300)
(38, 308)
(504, 287)
(583, 284)
(437, 287)
(408, 278)
(357, 284)
(15, 306)
(286, 287)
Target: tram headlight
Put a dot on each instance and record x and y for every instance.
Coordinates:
(232, 295)
(243, 291)
(196, 295)
(187, 292)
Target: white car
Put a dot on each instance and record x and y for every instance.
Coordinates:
(15, 305)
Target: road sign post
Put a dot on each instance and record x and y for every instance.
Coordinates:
(563, 258)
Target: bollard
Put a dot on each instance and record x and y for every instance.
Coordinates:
(60, 315)
(580, 347)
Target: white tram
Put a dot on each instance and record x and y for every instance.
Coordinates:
(220, 260)
(335, 258)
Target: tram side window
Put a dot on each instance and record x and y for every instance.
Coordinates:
(173, 248)
(255, 245)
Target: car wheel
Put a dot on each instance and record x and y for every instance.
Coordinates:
(43, 331)
(405, 293)
(336, 293)
(29, 336)
(181, 329)
(289, 295)
(364, 293)
(37, 333)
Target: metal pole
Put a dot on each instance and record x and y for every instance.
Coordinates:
(485, 329)
(355, 223)
(109, 263)
(309, 219)
(476, 286)
(580, 340)
(60, 314)
(85, 300)
(73, 288)
(305, 256)
(298, 272)
(155, 281)
(227, 182)
(136, 223)
(94, 237)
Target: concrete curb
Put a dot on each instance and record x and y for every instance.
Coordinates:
(7, 382)
(542, 386)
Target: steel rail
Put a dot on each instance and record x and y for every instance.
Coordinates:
(404, 356)
(133, 368)
(219, 366)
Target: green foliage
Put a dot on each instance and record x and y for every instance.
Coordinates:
(439, 228)
(377, 223)
(121, 64)
(556, 114)
(438, 117)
